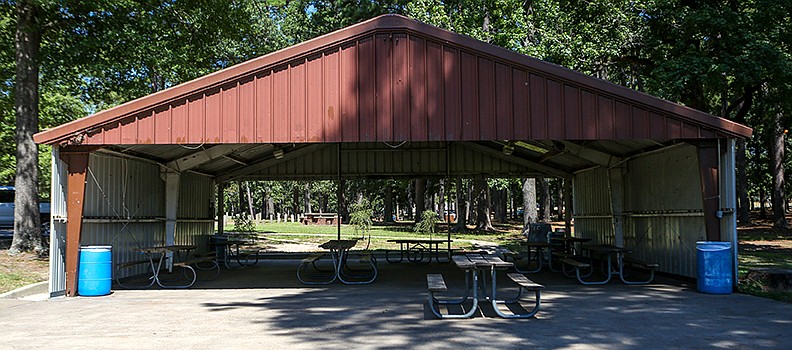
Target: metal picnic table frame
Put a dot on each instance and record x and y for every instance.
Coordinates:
(418, 246)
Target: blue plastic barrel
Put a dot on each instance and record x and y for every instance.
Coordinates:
(95, 274)
(714, 267)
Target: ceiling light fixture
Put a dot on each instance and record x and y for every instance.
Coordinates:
(508, 149)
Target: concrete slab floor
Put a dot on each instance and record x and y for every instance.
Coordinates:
(267, 307)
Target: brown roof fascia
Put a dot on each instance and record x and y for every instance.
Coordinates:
(385, 22)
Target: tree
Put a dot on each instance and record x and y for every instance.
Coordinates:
(530, 214)
(777, 171)
(27, 224)
(483, 204)
(427, 223)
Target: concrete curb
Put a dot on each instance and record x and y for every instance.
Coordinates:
(26, 291)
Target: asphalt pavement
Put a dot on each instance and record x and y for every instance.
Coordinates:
(266, 307)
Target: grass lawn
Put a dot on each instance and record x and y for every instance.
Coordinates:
(762, 246)
(292, 232)
(21, 270)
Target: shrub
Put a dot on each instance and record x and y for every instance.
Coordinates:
(428, 223)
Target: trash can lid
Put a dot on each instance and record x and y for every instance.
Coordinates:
(97, 247)
(713, 246)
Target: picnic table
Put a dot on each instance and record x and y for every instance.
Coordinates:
(533, 251)
(609, 269)
(339, 250)
(414, 248)
(230, 249)
(476, 267)
(159, 253)
(320, 219)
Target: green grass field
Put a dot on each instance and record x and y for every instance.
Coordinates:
(290, 232)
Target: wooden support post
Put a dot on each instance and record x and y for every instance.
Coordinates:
(710, 187)
(77, 164)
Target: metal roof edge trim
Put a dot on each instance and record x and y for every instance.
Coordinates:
(371, 26)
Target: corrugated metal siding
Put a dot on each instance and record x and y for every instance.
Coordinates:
(663, 208)
(195, 221)
(416, 159)
(392, 87)
(58, 194)
(663, 216)
(592, 206)
(123, 188)
(124, 207)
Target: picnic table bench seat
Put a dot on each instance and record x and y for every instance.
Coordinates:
(524, 284)
(641, 265)
(128, 264)
(436, 283)
(316, 274)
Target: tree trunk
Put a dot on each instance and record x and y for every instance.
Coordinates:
(307, 197)
(250, 201)
(27, 220)
(545, 200)
(777, 171)
(743, 206)
(388, 212)
(461, 206)
(499, 201)
(529, 203)
(483, 205)
(295, 201)
(762, 203)
(420, 197)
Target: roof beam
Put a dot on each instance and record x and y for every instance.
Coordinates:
(203, 156)
(519, 161)
(266, 163)
(591, 155)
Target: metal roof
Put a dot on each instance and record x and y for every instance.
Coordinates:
(391, 79)
(449, 103)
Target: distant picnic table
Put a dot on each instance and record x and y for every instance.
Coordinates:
(320, 219)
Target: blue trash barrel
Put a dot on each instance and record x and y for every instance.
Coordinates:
(95, 274)
(714, 267)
